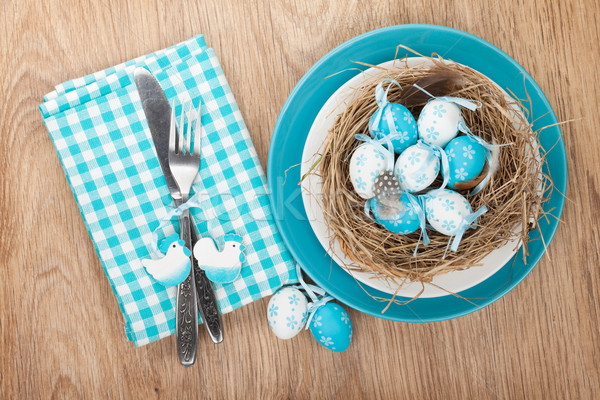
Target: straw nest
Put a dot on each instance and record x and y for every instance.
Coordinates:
(514, 195)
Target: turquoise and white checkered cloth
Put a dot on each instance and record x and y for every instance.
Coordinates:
(101, 135)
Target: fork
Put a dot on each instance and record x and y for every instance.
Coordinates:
(184, 162)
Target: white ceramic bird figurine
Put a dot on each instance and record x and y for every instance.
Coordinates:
(174, 267)
(220, 266)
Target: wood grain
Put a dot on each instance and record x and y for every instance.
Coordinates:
(61, 332)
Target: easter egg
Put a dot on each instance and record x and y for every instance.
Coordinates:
(404, 123)
(287, 312)
(445, 210)
(417, 167)
(466, 159)
(366, 164)
(438, 122)
(331, 327)
(396, 214)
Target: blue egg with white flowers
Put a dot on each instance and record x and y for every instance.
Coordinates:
(401, 119)
(331, 327)
(396, 214)
(466, 159)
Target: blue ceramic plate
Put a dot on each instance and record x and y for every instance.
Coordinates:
(303, 105)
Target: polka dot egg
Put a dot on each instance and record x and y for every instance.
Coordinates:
(438, 122)
(287, 312)
(366, 164)
(404, 122)
(396, 214)
(417, 167)
(446, 210)
(466, 159)
(331, 327)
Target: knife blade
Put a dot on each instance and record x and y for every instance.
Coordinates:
(158, 114)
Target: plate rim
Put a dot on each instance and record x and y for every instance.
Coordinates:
(560, 148)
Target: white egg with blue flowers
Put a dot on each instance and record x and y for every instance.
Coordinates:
(366, 164)
(445, 210)
(438, 122)
(417, 167)
(287, 312)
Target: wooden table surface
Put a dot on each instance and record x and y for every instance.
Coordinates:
(61, 332)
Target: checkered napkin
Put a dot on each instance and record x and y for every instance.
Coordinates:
(101, 135)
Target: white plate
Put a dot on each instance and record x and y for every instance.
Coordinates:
(455, 281)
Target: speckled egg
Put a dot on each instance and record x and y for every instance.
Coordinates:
(404, 122)
(396, 214)
(366, 163)
(287, 312)
(466, 159)
(445, 210)
(331, 327)
(438, 122)
(417, 167)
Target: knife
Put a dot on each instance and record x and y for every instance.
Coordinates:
(155, 107)
(158, 113)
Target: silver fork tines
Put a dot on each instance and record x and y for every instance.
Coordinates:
(184, 160)
(179, 142)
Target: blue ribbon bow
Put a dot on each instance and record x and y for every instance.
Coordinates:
(192, 202)
(313, 292)
(468, 222)
(378, 143)
(441, 153)
(384, 109)
(418, 207)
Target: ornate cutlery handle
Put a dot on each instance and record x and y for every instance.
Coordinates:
(207, 301)
(186, 330)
